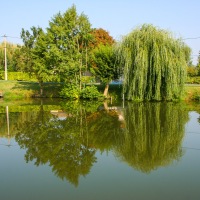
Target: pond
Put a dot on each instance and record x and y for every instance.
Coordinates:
(99, 151)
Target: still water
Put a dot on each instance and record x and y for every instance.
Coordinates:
(99, 151)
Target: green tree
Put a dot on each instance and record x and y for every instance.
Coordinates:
(10, 52)
(198, 65)
(60, 53)
(68, 37)
(104, 65)
(32, 58)
(154, 64)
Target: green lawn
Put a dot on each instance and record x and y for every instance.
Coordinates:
(20, 89)
(16, 90)
(192, 92)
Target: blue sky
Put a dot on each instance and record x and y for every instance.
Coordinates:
(118, 17)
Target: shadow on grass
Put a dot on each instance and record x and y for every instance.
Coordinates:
(50, 89)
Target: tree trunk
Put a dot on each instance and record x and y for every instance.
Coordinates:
(41, 88)
(105, 93)
(105, 104)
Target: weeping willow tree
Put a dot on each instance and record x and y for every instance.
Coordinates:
(154, 64)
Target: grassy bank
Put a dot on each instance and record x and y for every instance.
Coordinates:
(16, 90)
(192, 92)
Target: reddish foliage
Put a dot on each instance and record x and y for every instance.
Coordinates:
(101, 36)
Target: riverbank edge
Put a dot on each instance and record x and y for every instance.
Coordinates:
(19, 90)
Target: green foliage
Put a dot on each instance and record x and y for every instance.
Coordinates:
(11, 50)
(151, 137)
(198, 65)
(90, 92)
(147, 136)
(67, 36)
(18, 76)
(154, 64)
(87, 79)
(104, 63)
(70, 91)
(193, 80)
(192, 71)
(60, 53)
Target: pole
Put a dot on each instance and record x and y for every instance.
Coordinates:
(7, 119)
(6, 76)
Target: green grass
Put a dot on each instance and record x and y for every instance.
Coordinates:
(192, 92)
(16, 90)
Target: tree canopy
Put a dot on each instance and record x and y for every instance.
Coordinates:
(102, 60)
(154, 64)
(103, 64)
(101, 37)
(11, 50)
(59, 52)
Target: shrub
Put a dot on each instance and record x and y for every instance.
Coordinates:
(18, 76)
(70, 91)
(90, 92)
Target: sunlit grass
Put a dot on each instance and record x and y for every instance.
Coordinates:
(16, 90)
(192, 92)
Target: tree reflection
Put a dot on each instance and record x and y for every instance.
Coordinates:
(145, 135)
(153, 135)
(57, 142)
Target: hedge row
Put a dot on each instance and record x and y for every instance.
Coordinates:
(18, 76)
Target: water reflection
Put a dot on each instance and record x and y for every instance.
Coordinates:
(153, 135)
(67, 136)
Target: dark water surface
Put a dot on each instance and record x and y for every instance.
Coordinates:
(99, 151)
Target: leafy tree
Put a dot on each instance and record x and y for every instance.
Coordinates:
(192, 71)
(198, 65)
(10, 55)
(154, 64)
(61, 52)
(68, 37)
(101, 37)
(104, 65)
(102, 60)
(32, 58)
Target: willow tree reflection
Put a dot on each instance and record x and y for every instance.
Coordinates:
(153, 135)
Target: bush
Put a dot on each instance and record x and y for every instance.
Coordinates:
(90, 92)
(193, 80)
(70, 91)
(18, 76)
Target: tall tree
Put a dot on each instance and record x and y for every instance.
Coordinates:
(103, 57)
(10, 52)
(32, 55)
(68, 37)
(198, 65)
(60, 53)
(154, 64)
(104, 66)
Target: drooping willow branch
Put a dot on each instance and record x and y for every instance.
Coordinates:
(154, 64)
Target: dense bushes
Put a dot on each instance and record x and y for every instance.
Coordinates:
(18, 76)
(73, 92)
(90, 92)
